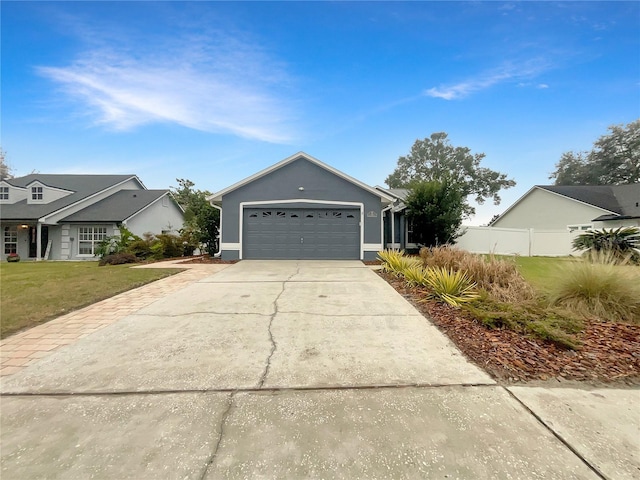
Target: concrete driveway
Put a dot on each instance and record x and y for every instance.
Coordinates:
(291, 369)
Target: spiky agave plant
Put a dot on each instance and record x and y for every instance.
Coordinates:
(451, 286)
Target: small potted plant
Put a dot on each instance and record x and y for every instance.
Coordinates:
(13, 257)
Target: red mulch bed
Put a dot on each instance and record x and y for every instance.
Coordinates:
(208, 259)
(609, 354)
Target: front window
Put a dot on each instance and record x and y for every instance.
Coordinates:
(36, 193)
(410, 231)
(10, 240)
(89, 238)
(583, 227)
(4, 193)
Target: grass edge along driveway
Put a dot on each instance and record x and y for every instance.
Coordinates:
(33, 292)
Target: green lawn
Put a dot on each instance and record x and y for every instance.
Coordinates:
(544, 272)
(538, 271)
(541, 271)
(34, 292)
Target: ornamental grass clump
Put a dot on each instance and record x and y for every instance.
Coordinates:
(598, 287)
(499, 277)
(552, 324)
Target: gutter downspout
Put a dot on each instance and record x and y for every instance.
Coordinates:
(219, 252)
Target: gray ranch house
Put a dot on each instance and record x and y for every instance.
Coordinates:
(301, 208)
(65, 217)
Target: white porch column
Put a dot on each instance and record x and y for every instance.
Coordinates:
(38, 242)
(393, 229)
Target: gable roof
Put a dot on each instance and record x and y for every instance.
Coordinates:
(616, 201)
(117, 207)
(82, 186)
(217, 197)
(398, 194)
(600, 196)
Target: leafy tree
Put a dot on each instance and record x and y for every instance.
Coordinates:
(5, 170)
(436, 210)
(614, 160)
(436, 159)
(201, 219)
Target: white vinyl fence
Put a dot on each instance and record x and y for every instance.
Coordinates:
(517, 241)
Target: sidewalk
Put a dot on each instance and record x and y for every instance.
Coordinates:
(25, 348)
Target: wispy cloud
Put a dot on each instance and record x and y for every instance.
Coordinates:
(213, 83)
(506, 73)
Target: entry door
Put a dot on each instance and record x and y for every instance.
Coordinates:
(273, 233)
(33, 241)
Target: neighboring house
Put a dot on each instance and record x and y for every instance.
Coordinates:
(65, 217)
(579, 207)
(300, 208)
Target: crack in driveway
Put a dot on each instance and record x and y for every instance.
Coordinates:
(274, 344)
(223, 421)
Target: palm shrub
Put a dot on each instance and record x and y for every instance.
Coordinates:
(622, 243)
(452, 287)
(597, 286)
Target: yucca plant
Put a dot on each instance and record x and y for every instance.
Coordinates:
(395, 261)
(389, 259)
(623, 243)
(450, 286)
(415, 275)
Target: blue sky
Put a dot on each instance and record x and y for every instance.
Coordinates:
(215, 92)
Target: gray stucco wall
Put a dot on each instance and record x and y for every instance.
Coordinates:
(283, 184)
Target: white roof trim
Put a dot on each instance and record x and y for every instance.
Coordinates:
(216, 197)
(547, 191)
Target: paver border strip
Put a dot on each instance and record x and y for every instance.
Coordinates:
(29, 346)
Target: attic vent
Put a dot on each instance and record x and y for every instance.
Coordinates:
(134, 195)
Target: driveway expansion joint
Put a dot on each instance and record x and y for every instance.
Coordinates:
(317, 388)
(562, 440)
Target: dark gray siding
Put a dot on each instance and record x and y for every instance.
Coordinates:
(284, 183)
